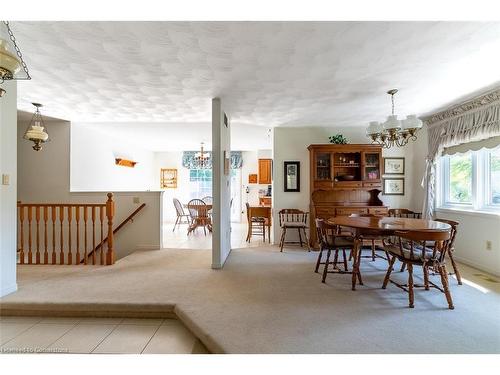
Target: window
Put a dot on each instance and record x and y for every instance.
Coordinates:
(470, 180)
(494, 177)
(200, 186)
(460, 177)
(200, 183)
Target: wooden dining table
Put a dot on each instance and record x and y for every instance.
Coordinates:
(203, 217)
(381, 226)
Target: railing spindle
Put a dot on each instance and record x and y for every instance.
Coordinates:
(37, 218)
(53, 217)
(93, 234)
(21, 219)
(30, 217)
(45, 239)
(77, 214)
(101, 216)
(70, 218)
(110, 212)
(61, 219)
(85, 218)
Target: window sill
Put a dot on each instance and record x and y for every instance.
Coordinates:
(469, 212)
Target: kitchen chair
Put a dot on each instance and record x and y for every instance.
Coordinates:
(330, 239)
(258, 220)
(291, 218)
(403, 212)
(451, 250)
(371, 239)
(199, 215)
(180, 214)
(208, 200)
(425, 249)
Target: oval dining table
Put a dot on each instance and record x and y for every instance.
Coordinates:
(381, 226)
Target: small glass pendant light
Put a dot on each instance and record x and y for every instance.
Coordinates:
(36, 131)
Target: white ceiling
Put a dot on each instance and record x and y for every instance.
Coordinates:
(268, 73)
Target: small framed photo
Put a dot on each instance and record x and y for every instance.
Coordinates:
(394, 165)
(394, 186)
(292, 176)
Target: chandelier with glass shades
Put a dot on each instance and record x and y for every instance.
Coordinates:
(36, 131)
(201, 158)
(394, 132)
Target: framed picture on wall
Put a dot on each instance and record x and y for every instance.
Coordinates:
(394, 186)
(394, 165)
(292, 176)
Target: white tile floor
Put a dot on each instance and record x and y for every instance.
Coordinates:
(96, 335)
(179, 239)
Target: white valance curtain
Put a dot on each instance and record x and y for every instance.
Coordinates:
(475, 120)
(462, 148)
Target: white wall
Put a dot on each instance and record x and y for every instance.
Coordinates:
(45, 177)
(93, 168)
(290, 144)
(221, 141)
(8, 193)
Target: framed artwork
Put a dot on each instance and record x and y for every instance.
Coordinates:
(394, 186)
(394, 165)
(168, 178)
(292, 176)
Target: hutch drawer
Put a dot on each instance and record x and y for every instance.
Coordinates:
(350, 210)
(378, 211)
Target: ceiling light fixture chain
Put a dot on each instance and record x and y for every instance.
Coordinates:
(18, 51)
(16, 47)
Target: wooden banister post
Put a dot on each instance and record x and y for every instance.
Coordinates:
(110, 212)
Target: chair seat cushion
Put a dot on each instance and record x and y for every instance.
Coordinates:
(293, 224)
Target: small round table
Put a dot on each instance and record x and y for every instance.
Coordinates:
(382, 226)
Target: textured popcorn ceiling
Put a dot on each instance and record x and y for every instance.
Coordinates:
(268, 74)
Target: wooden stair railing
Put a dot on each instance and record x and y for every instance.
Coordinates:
(57, 232)
(130, 218)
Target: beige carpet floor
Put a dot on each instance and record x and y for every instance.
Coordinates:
(264, 301)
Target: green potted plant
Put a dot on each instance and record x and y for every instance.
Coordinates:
(338, 139)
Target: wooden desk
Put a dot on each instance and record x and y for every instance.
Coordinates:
(381, 226)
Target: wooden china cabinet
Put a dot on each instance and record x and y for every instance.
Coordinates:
(344, 180)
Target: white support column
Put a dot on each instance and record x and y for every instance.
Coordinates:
(221, 188)
(8, 188)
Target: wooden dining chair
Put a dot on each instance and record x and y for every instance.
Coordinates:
(405, 213)
(258, 221)
(208, 200)
(199, 215)
(451, 250)
(181, 214)
(290, 219)
(417, 248)
(330, 240)
(373, 239)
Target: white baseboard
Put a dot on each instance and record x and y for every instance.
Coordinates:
(8, 289)
(477, 265)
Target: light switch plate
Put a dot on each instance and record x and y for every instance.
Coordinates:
(5, 179)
